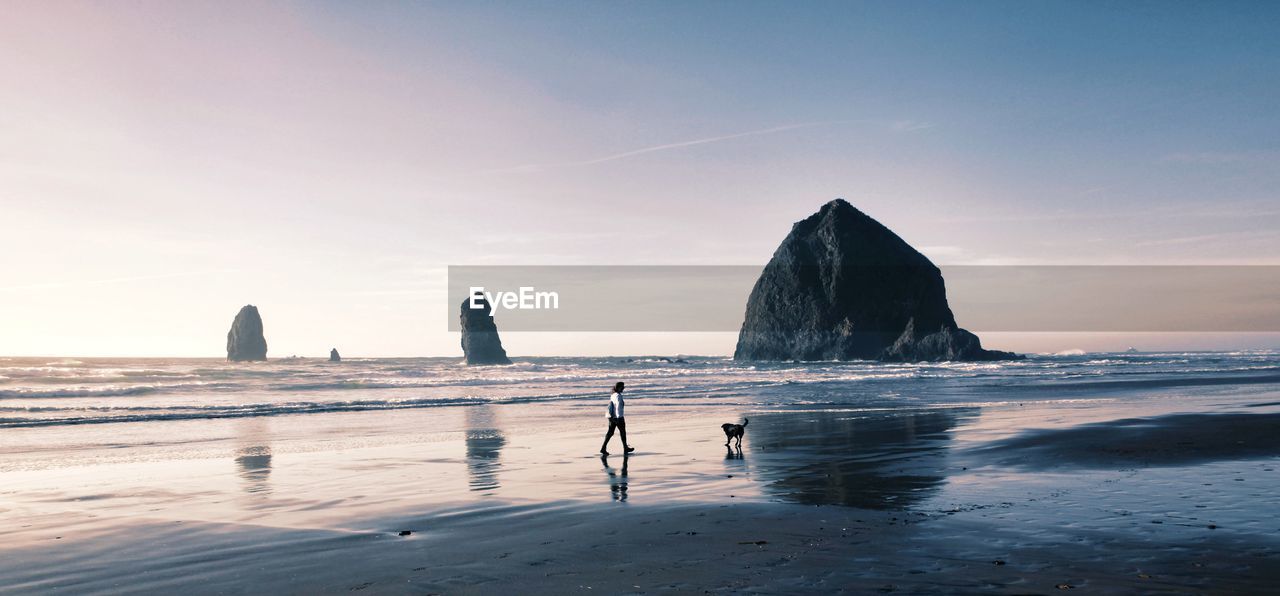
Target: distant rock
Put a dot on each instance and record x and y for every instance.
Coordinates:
(841, 286)
(245, 341)
(480, 342)
(333, 355)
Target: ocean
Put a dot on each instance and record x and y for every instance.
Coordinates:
(38, 392)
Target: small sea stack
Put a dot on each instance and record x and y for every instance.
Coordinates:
(841, 286)
(333, 355)
(480, 342)
(245, 341)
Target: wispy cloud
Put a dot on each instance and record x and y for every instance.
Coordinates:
(108, 281)
(1219, 158)
(910, 125)
(897, 126)
(1203, 238)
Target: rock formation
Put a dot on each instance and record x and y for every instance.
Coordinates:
(844, 287)
(950, 343)
(480, 342)
(245, 340)
(333, 355)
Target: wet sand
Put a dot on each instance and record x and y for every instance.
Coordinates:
(1125, 494)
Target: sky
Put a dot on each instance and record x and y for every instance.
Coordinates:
(164, 163)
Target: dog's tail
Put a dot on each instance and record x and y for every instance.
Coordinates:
(745, 421)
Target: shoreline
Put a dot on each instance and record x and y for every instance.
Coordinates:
(918, 500)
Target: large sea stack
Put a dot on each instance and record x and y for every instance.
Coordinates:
(480, 342)
(844, 287)
(245, 340)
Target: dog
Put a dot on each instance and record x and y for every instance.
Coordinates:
(734, 431)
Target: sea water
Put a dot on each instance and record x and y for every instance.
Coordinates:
(38, 392)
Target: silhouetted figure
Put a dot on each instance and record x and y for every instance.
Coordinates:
(333, 356)
(732, 431)
(616, 421)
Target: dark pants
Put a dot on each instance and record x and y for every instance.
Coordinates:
(621, 425)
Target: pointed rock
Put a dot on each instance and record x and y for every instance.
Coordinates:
(841, 286)
(333, 355)
(245, 340)
(480, 342)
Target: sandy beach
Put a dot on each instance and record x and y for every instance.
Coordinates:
(1134, 492)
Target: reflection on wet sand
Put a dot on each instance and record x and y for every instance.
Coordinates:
(735, 463)
(253, 455)
(617, 482)
(1171, 440)
(484, 443)
(874, 461)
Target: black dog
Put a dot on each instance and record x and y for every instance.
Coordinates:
(734, 431)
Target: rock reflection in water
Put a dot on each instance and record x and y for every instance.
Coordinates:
(484, 443)
(253, 455)
(885, 460)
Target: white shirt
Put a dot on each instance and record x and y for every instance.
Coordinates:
(615, 405)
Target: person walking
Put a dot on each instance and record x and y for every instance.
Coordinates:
(616, 420)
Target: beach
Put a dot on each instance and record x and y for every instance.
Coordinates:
(1128, 481)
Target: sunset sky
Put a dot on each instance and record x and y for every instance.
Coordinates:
(164, 163)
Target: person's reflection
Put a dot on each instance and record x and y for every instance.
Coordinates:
(617, 481)
(253, 455)
(484, 446)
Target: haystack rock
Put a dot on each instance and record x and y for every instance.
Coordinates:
(480, 342)
(844, 287)
(245, 340)
(333, 355)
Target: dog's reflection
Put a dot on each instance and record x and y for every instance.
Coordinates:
(734, 462)
(617, 481)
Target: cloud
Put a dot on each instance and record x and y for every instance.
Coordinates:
(898, 126)
(910, 125)
(113, 280)
(1202, 238)
(1220, 158)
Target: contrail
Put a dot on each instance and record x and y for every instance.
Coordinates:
(750, 133)
(656, 148)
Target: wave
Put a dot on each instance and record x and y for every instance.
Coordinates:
(78, 392)
(112, 390)
(1149, 383)
(143, 414)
